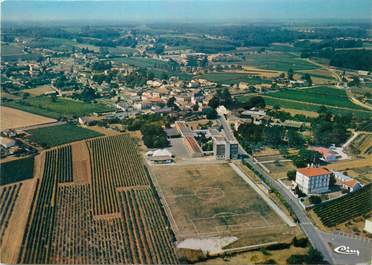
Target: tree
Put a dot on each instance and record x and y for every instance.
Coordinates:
(222, 97)
(308, 79)
(296, 259)
(290, 74)
(195, 107)
(154, 135)
(273, 135)
(210, 113)
(315, 199)
(306, 157)
(314, 256)
(291, 174)
(295, 139)
(171, 102)
(255, 101)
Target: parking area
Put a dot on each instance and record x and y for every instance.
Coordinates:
(360, 248)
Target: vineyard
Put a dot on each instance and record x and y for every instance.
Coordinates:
(8, 197)
(115, 163)
(37, 240)
(117, 218)
(345, 208)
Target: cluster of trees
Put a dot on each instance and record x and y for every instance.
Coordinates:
(138, 78)
(222, 97)
(252, 136)
(154, 135)
(312, 257)
(101, 65)
(331, 129)
(253, 102)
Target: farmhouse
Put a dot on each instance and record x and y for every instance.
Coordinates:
(327, 154)
(313, 180)
(7, 142)
(351, 185)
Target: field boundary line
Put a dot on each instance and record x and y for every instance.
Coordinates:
(278, 211)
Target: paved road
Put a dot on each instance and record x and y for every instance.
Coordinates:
(309, 229)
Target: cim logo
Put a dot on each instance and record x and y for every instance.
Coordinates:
(346, 250)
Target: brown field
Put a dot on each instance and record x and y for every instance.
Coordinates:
(261, 72)
(256, 257)
(40, 90)
(13, 118)
(212, 200)
(278, 171)
(81, 163)
(13, 236)
(311, 114)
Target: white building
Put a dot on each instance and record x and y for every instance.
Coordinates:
(368, 226)
(7, 142)
(313, 180)
(160, 156)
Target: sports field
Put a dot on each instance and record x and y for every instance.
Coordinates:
(207, 200)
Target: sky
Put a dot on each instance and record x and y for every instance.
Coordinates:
(183, 10)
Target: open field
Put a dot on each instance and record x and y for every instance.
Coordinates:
(318, 95)
(60, 134)
(212, 200)
(65, 228)
(310, 103)
(14, 118)
(40, 90)
(278, 61)
(232, 78)
(45, 106)
(156, 66)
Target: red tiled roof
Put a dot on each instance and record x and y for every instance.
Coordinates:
(350, 183)
(313, 171)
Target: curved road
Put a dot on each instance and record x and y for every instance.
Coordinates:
(307, 226)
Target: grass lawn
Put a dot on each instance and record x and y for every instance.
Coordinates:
(61, 134)
(43, 105)
(232, 78)
(16, 170)
(279, 62)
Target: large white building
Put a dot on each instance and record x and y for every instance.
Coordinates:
(313, 180)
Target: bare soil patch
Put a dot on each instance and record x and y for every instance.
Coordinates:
(13, 118)
(81, 163)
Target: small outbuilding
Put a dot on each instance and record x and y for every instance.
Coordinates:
(160, 156)
(7, 142)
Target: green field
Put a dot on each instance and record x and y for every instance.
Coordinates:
(232, 78)
(156, 66)
(278, 62)
(16, 170)
(345, 208)
(318, 95)
(289, 104)
(60, 134)
(45, 106)
(9, 50)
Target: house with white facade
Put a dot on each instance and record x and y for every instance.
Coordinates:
(313, 180)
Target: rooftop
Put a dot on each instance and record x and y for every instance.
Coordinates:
(313, 171)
